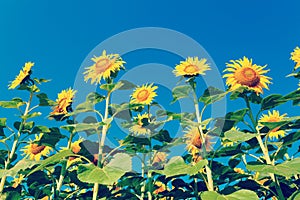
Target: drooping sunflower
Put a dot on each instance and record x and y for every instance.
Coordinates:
(274, 117)
(104, 66)
(18, 180)
(143, 94)
(194, 141)
(295, 56)
(23, 76)
(192, 66)
(140, 126)
(244, 73)
(64, 102)
(35, 151)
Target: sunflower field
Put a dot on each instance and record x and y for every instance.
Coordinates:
(250, 153)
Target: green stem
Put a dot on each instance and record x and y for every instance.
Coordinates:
(250, 111)
(101, 144)
(143, 188)
(208, 170)
(15, 143)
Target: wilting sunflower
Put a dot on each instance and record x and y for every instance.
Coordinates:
(273, 117)
(243, 73)
(64, 102)
(295, 56)
(103, 67)
(144, 94)
(18, 180)
(191, 67)
(23, 76)
(194, 142)
(140, 126)
(35, 151)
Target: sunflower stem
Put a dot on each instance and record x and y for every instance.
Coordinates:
(101, 144)
(210, 186)
(269, 162)
(16, 141)
(143, 188)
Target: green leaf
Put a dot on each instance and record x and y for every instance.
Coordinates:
(109, 174)
(238, 136)
(14, 103)
(72, 128)
(41, 80)
(110, 87)
(272, 101)
(286, 169)
(212, 95)
(35, 114)
(254, 98)
(44, 100)
(238, 195)
(10, 195)
(53, 159)
(94, 98)
(286, 120)
(40, 129)
(162, 136)
(295, 196)
(181, 91)
(176, 166)
(21, 165)
(3, 122)
(26, 127)
(126, 85)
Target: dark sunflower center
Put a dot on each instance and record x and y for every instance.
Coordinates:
(190, 69)
(143, 95)
(102, 65)
(247, 76)
(197, 142)
(36, 149)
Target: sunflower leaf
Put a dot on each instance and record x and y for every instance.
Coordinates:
(272, 101)
(212, 95)
(181, 91)
(238, 195)
(14, 103)
(238, 136)
(44, 100)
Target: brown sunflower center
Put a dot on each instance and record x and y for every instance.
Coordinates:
(247, 76)
(102, 65)
(36, 149)
(190, 69)
(143, 95)
(197, 142)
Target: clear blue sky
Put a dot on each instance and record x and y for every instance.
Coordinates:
(57, 35)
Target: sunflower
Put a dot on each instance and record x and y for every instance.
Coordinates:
(159, 157)
(35, 151)
(243, 73)
(161, 187)
(64, 102)
(191, 67)
(295, 56)
(23, 76)
(103, 67)
(239, 170)
(194, 142)
(75, 146)
(140, 126)
(273, 117)
(18, 180)
(144, 94)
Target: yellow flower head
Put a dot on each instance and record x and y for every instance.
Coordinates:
(243, 73)
(18, 180)
(194, 142)
(144, 94)
(239, 170)
(23, 76)
(191, 67)
(140, 126)
(103, 67)
(273, 117)
(64, 102)
(159, 157)
(75, 146)
(295, 56)
(161, 187)
(35, 151)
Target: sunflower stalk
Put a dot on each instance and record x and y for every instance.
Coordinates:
(16, 141)
(101, 144)
(210, 182)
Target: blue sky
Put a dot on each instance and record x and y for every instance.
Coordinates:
(58, 35)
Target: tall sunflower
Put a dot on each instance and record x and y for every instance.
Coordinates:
(295, 56)
(104, 66)
(243, 73)
(144, 94)
(35, 151)
(64, 102)
(192, 66)
(273, 117)
(194, 142)
(24, 75)
(140, 126)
